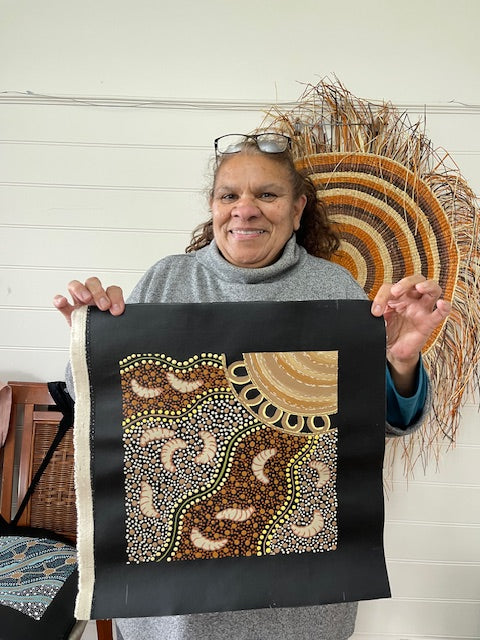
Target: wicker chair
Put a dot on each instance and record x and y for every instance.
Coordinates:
(52, 505)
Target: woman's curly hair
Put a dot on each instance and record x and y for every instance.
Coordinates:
(316, 233)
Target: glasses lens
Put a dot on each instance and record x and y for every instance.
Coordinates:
(266, 142)
(272, 142)
(231, 143)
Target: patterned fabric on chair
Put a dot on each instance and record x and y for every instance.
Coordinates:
(38, 585)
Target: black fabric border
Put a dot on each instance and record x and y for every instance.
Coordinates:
(356, 570)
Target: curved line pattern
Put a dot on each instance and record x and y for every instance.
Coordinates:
(289, 504)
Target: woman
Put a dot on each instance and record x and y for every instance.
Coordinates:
(263, 210)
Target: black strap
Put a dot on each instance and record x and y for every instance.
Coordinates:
(65, 404)
(4, 526)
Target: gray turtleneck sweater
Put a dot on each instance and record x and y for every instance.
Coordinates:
(204, 276)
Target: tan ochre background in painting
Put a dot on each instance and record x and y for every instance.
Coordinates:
(107, 114)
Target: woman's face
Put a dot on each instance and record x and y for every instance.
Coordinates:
(254, 210)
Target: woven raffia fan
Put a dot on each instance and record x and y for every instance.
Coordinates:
(401, 207)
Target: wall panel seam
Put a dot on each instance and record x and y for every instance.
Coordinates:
(98, 187)
(33, 349)
(106, 145)
(27, 267)
(431, 563)
(456, 525)
(426, 600)
(428, 483)
(103, 229)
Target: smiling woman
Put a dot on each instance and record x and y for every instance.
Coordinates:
(254, 210)
(274, 177)
(269, 239)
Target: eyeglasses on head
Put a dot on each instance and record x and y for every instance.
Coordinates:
(268, 142)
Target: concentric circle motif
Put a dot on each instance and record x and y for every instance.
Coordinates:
(291, 391)
(391, 224)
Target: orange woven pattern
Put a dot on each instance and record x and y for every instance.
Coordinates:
(390, 223)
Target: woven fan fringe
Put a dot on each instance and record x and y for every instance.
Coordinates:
(328, 118)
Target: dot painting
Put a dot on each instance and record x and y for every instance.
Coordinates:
(229, 459)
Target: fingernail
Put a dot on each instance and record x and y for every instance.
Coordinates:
(103, 303)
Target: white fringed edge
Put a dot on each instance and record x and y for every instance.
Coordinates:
(83, 484)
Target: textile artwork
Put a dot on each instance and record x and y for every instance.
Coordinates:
(228, 456)
(30, 587)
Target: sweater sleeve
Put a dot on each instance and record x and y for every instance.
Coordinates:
(406, 414)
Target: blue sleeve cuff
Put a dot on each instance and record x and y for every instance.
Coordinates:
(401, 411)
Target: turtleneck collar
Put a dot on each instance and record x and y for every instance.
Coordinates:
(211, 258)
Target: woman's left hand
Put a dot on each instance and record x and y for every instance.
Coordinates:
(412, 309)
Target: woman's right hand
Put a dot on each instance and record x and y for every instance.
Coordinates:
(92, 293)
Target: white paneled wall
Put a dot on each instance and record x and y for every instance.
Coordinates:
(80, 198)
(97, 188)
(432, 545)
